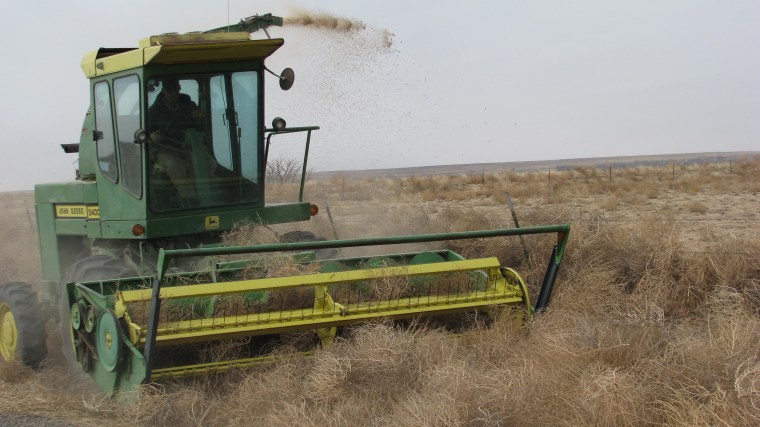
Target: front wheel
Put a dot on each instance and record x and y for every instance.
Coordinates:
(22, 325)
(97, 267)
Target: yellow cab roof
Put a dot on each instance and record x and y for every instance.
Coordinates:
(179, 49)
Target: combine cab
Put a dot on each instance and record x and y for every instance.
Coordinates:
(172, 154)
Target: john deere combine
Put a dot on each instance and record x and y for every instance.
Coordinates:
(173, 153)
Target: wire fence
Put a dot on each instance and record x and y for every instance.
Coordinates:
(749, 219)
(662, 170)
(669, 216)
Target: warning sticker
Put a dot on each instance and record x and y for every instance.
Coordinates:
(211, 222)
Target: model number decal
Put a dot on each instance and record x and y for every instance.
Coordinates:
(93, 212)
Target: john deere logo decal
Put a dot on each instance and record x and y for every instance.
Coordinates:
(211, 222)
(77, 211)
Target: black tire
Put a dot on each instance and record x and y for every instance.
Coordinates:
(98, 267)
(30, 337)
(308, 236)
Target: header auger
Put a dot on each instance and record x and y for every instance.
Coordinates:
(173, 153)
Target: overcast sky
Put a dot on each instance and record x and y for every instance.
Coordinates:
(489, 81)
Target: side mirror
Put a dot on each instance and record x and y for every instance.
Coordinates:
(141, 136)
(287, 78)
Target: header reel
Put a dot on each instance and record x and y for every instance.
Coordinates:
(125, 333)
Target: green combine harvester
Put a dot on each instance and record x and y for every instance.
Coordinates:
(172, 154)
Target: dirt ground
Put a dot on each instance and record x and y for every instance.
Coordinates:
(712, 207)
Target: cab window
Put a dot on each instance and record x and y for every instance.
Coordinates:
(105, 144)
(205, 140)
(127, 96)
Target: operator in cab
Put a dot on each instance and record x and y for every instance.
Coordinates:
(172, 113)
(177, 128)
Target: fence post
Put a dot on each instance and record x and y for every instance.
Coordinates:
(329, 217)
(517, 224)
(610, 172)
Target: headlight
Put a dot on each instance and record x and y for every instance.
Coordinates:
(278, 124)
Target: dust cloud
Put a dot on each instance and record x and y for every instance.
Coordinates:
(18, 230)
(324, 21)
(349, 78)
(348, 82)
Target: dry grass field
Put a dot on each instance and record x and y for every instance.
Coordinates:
(655, 319)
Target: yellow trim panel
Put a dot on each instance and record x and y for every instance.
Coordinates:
(230, 327)
(178, 49)
(69, 211)
(273, 283)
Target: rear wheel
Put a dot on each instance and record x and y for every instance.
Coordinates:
(98, 267)
(22, 326)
